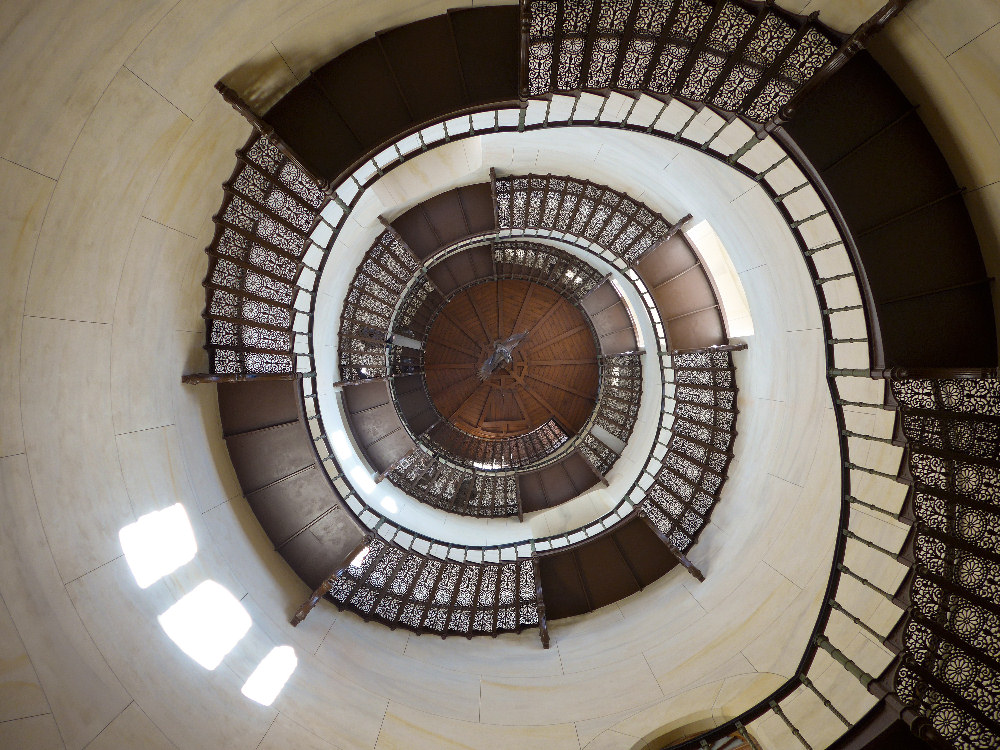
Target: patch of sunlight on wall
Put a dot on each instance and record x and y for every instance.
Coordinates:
(270, 676)
(727, 280)
(206, 623)
(632, 315)
(158, 544)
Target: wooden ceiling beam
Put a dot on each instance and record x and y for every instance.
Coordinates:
(564, 388)
(454, 348)
(479, 317)
(565, 423)
(522, 308)
(461, 329)
(564, 335)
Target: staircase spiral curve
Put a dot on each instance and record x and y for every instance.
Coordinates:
(748, 84)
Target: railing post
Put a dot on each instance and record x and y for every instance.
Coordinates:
(824, 700)
(324, 588)
(842, 659)
(794, 730)
(543, 623)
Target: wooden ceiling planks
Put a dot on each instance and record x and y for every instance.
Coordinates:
(554, 370)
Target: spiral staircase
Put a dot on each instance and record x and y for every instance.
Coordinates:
(746, 83)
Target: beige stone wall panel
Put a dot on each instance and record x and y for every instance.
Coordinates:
(95, 207)
(82, 691)
(25, 199)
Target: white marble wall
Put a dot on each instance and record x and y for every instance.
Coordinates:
(112, 149)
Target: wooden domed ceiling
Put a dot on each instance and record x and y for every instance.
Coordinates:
(551, 373)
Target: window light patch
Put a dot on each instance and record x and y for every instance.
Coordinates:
(206, 623)
(361, 480)
(734, 300)
(341, 443)
(270, 676)
(620, 291)
(158, 544)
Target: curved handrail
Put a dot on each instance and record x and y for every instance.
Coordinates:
(819, 640)
(791, 686)
(788, 688)
(416, 288)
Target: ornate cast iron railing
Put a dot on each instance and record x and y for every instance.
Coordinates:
(600, 456)
(745, 58)
(621, 392)
(366, 318)
(257, 257)
(595, 213)
(948, 671)
(424, 477)
(400, 587)
(681, 499)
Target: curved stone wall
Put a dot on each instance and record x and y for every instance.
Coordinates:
(113, 149)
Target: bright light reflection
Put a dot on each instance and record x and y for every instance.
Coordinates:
(389, 505)
(158, 544)
(341, 445)
(359, 558)
(361, 480)
(734, 299)
(206, 623)
(271, 675)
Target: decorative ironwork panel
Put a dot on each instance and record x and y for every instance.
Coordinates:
(499, 454)
(600, 456)
(598, 214)
(547, 265)
(741, 59)
(951, 642)
(693, 471)
(621, 392)
(262, 233)
(732, 26)
(367, 315)
(424, 477)
(404, 588)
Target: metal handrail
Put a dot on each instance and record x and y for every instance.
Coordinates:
(511, 551)
(784, 691)
(560, 451)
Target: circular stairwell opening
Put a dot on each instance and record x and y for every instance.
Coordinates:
(506, 357)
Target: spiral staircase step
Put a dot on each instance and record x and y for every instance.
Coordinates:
(877, 170)
(900, 199)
